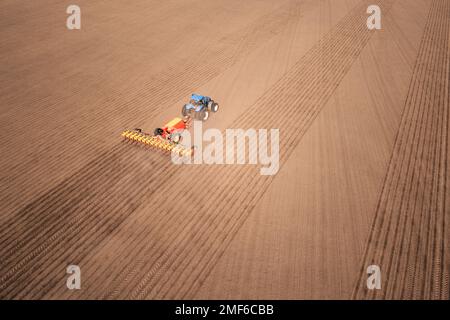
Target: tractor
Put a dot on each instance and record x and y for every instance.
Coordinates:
(168, 138)
(199, 107)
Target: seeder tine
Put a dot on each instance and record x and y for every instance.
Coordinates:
(126, 134)
(156, 142)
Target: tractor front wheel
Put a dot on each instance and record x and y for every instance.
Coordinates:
(215, 107)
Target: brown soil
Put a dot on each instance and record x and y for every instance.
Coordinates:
(364, 129)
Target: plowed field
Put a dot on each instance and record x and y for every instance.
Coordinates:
(364, 133)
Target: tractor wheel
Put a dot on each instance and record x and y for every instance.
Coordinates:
(204, 115)
(158, 132)
(215, 107)
(184, 111)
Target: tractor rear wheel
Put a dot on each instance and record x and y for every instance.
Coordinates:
(204, 115)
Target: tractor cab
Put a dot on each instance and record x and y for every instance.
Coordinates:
(196, 98)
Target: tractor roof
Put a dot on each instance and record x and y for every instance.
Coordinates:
(196, 97)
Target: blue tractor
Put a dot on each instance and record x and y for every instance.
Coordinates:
(199, 107)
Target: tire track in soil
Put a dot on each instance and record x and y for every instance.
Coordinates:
(326, 77)
(409, 236)
(86, 216)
